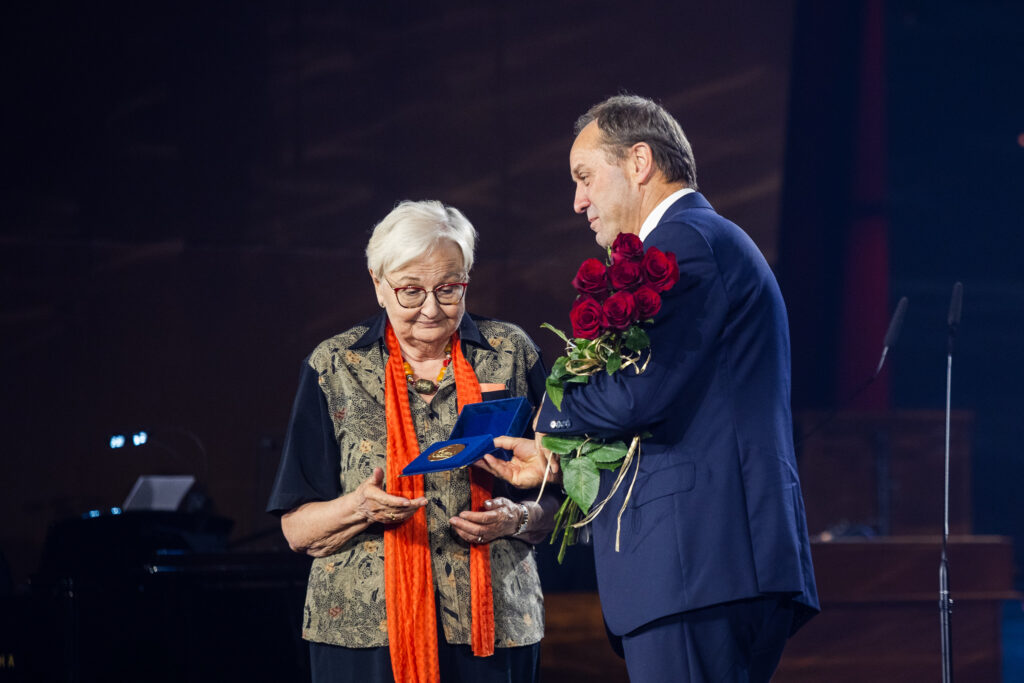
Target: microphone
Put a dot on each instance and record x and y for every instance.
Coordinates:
(895, 326)
(956, 304)
(891, 335)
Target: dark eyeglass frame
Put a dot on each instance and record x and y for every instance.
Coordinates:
(465, 286)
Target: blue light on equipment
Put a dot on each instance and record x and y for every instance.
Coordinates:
(115, 511)
(92, 513)
(139, 438)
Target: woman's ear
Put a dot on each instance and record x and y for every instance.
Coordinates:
(376, 287)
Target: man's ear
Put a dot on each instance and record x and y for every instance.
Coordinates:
(641, 162)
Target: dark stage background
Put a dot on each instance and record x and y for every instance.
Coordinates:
(188, 189)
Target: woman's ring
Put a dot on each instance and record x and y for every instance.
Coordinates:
(479, 539)
(391, 515)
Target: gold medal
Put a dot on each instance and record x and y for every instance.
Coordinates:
(446, 452)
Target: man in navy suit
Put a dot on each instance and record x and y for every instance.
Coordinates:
(714, 569)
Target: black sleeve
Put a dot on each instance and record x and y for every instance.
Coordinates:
(310, 462)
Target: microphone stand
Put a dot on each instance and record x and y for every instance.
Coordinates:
(945, 602)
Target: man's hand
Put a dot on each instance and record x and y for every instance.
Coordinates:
(526, 468)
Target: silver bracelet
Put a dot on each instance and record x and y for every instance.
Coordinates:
(525, 521)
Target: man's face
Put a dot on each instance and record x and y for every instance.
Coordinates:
(605, 190)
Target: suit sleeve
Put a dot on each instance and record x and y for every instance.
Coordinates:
(683, 337)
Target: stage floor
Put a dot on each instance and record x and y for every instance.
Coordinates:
(879, 622)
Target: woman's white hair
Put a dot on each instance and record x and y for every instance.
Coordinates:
(413, 229)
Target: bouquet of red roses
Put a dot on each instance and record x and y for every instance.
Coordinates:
(616, 298)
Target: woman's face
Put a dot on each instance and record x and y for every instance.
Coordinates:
(432, 323)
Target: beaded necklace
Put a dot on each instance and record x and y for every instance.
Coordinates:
(425, 386)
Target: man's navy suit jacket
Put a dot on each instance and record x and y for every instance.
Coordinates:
(716, 513)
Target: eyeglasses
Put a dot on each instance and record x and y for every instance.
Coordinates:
(414, 297)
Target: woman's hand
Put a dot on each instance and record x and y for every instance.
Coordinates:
(377, 505)
(321, 528)
(500, 517)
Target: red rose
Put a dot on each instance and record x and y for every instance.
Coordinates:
(660, 269)
(625, 275)
(586, 318)
(627, 247)
(648, 302)
(619, 311)
(591, 278)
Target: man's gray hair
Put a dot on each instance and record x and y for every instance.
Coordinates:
(413, 229)
(625, 120)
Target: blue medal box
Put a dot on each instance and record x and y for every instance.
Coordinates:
(473, 436)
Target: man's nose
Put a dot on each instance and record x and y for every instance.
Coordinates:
(580, 201)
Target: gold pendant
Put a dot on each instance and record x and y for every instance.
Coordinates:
(424, 386)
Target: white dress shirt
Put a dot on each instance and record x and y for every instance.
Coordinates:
(654, 217)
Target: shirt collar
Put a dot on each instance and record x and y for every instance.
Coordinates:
(377, 325)
(654, 217)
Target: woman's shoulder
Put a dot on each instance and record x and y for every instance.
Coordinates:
(501, 333)
(341, 345)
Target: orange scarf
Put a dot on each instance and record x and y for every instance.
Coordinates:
(408, 580)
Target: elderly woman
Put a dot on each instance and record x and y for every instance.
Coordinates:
(429, 577)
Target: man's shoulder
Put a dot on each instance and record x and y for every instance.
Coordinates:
(693, 218)
(693, 210)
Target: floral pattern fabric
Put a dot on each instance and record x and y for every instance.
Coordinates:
(345, 595)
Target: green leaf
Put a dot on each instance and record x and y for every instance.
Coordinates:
(614, 363)
(579, 379)
(613, 465)
(556, 331)
(609, 452)
(636, 339)
(581, 479)
(563, 445)
(555, 391)
(558, 369)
